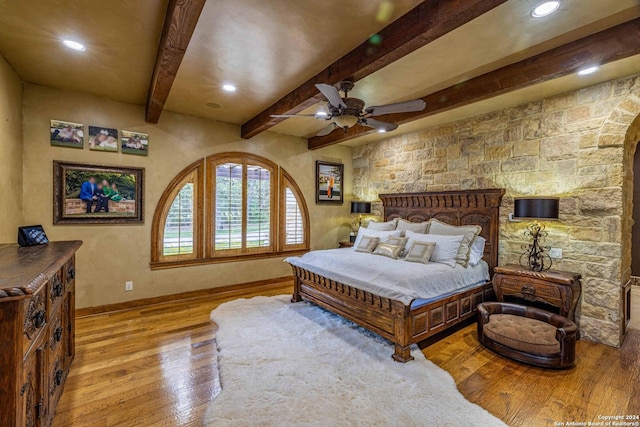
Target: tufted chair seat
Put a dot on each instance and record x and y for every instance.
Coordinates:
(527, 334)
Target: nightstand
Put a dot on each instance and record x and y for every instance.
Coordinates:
(345, 244)
(560, 289)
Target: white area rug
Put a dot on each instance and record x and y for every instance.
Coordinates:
(284, 364)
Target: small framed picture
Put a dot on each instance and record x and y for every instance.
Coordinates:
(135, 143)
(67, 134)
(97, 194)
(329, 179)
(103, 139)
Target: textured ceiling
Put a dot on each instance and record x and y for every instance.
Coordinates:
(267, 48)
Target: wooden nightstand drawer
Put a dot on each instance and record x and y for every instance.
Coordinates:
(559, 289)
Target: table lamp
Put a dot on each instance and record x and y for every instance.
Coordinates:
(538, 209)
(358, 208)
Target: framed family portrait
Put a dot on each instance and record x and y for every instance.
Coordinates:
(103, 139)
(97, 194)
(135, 143)
(67, 134)
(329, 180)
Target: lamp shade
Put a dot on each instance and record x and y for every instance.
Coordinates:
(360, 207)
(536, 208)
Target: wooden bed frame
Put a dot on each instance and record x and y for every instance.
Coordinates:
(390, 318)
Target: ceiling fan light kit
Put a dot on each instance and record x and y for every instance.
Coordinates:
(345, 112)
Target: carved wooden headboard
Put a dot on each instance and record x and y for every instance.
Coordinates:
(479, 207)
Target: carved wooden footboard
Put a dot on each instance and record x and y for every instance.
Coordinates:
(389, 318)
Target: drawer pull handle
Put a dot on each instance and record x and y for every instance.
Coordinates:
(57, 290)
(528, 290)
(72, 273)
(57, 334)
(58, 377)
(39, 319)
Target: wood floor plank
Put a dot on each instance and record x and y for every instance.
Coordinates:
(156, 366)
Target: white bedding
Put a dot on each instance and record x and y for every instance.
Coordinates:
(390, 278)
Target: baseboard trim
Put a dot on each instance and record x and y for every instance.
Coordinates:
(163, 299)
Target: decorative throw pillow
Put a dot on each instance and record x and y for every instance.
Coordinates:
(388, 250)
(416, 227)
(420, 252)
(398, 241)
(469, 233)
(382, 235)
(477, 250)
(446, 250)
(382, 226)
(367, 244)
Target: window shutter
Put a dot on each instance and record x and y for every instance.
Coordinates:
(228, 206)
(178, 227)
(258, 207)
(293, 225)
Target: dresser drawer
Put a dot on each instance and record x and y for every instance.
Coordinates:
(33, 318)
(70, 271)
(55, 291)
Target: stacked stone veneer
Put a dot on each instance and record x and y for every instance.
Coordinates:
(578, 146)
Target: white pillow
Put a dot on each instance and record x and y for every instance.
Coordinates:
(470, 232)
(382, 226)
(446, 250)
(418, 227)
(382, 235)
(477, 250)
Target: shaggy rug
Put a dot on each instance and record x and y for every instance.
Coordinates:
(284, 364)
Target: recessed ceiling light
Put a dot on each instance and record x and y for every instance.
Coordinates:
(545, 9)
(73, 45)
(228, 88)
(588, 70)
(213, 105)
(382, 131)
(321, 114)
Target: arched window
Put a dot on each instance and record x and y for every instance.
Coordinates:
(248, 207)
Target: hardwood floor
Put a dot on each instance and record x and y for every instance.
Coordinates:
(155, 366)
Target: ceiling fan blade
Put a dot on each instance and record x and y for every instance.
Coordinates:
(327, 130)
(379, 125)
(294, 115)
(332, 95)
(399, 107)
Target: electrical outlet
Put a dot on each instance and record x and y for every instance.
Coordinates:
(128, 286)
(555, 253)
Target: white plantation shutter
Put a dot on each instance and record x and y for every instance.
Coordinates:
(228, 206)
(178, 227)
(293, 225)
(258, 207)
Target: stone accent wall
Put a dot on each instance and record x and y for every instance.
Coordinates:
(571, 146)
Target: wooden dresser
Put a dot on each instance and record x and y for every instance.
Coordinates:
(37, 305)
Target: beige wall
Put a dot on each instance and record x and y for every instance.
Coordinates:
(10, 153)
(570, 146)
(113, 254)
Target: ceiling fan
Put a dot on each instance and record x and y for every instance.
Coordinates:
(346, 112)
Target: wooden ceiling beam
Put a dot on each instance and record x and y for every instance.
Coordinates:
(420, 26)
(610, 45)
(179, 24)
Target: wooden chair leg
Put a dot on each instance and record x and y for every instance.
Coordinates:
(402, 354)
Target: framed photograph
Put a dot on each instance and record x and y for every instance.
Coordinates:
(103, 139)
(97, 194)
(67, 134)
(329, 179)
(135, 143)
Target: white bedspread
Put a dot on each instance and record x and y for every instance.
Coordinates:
(396, 279)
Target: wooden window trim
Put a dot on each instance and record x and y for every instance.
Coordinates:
(195, 171)
(203, 172)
